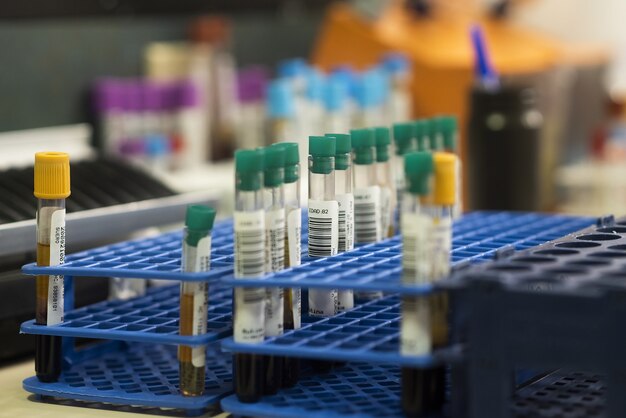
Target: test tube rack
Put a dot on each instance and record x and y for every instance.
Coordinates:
(137, 365)
(557, 306)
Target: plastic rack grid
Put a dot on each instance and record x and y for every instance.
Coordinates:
(560, 305)
(370, 332)
(159, 257)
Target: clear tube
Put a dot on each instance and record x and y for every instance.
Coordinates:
(274, 256)
(384, 179)
(49, 289)
(344, 181)
(323, 229)
(367, 228)
(400, 98)
(194, 304)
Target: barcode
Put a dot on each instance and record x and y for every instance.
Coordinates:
(409, 254)
(276, 249)
(249, 253)
(342, 230)
(365, 222)
(253, 295)
(320, 236)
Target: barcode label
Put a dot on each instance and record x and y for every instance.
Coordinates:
(249, 321)
(323, 228)
(400, 185)
(275, 240)
(197, 258)
(274, 311)
(386, 215)
(322, 302)
(345, 300)
(416, 234)
(346, 221)
(441, 243)
(294, 235)
(56, 289)
(415, 335)
(368, 295)
(367, 215)
(249, 228)
(200, 312)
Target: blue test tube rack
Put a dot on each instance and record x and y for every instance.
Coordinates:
(147, 327)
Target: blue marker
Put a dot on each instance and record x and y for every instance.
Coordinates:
(485, 73)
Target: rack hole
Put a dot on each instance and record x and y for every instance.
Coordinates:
(557, 251)
(578, 244)
(534, 259)
(510, 267)
(613, 229)
(609, 254)
(598, 237)
(618, 247)
(589, 262)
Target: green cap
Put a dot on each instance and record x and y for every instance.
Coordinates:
(249, 169)
(433, 135)
(198, 221)
(418, 168)
(383, 139)
(322, 149)
(363, 143)
(403, 134)
(342, 150)
(421, 134)
(274, 174)
(292, 159)
(447, 128)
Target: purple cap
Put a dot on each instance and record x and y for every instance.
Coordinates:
(187, 94)
(107, 95)
(132, 95)
(153, 95)
(252, 83)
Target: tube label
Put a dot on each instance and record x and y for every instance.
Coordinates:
(346, 221)
(415, 339)
(367, 226)
(57, 256)
(386, 216)
(274, 311)
(416, 262)
(345, 300)
(249, 322)
(200, 312)
(275, 240)
(323, 227)
(249, 228)
(294, 236)
(322, 302)
(197, 259)
(441, 243)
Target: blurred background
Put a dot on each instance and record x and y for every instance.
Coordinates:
(151, 99)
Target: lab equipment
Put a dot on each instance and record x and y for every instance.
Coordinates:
(399, 105)
(405, 140)
(384, 180)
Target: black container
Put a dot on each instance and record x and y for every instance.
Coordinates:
(503, 149)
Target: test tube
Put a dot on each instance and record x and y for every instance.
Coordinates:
(404, 139)
(344, 184)
(323, 217)
(384, 179)
(436, 140)
(249, 246)
(367, 213)
(336, 105)
(398, 67)
(293, 215)
(444, 197)
(415, 333)
(449, 131)
(194, 297)
(274, 201)
(52, 187)
(422, 135)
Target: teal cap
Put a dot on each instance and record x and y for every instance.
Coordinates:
(292, 159)
(274, 173)
(363, 142)
(418, 168)
(383, 139)
(448, 129)
(403, 134)
(249, 169)
(198, 221)
(433, 134)
(343, 147)
(322, 150)
(421, 134)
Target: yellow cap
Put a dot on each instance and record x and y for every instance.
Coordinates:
(445, 178)
(52, 175)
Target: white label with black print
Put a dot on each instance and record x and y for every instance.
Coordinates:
(345, 300)
(249, 229)
(441, 244)
(386, 217)
(275, 240)
(200, 312)
(322, 302)
(56, 290)
(415, 335)
(197, 259)
(346, 221)
(294, 235)
(274, 311)
(367, 226)
(416, 253)
(249, 322)
(323, 228)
